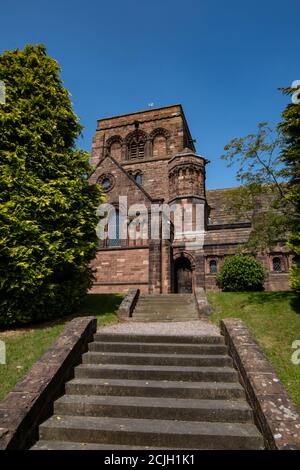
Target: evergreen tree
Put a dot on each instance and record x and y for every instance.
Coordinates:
(290, 128)
(47, 207)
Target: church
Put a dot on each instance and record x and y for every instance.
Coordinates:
(149, 159)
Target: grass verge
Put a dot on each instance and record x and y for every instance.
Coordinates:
(25, 345)
(274, 320)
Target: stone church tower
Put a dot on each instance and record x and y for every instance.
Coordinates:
(148, 158)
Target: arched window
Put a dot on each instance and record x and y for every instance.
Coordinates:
(160, 142)
(138, 178)
(277, 264)
(159, 146)
(116, 150)
(114, 228)
(136, 148)
(114, 146)
(213, 266)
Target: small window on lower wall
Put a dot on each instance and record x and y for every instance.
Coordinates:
(212, 266)
(277, 268)
(138, 178)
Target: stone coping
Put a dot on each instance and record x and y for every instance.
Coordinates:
(128, 303)
(30, 402)
(204, 309)
(277, 417)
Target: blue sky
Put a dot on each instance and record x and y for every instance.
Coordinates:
(222, 60)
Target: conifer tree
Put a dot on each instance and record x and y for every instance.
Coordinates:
(47, 207)
(290, 128)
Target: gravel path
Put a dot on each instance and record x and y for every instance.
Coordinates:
(182, 328)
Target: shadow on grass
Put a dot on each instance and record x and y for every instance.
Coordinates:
(98, 305)
(271, 297)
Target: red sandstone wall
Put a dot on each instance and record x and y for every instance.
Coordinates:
(119, 270)
(155, 177)
(169, 118)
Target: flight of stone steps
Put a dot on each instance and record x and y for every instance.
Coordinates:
(165, 307)
(137, 391)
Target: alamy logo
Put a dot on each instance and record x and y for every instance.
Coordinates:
(296, 355)
(181, 223)
(296, 94)
(2, 92)
(2, 352)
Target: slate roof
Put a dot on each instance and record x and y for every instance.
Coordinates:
(219, 200)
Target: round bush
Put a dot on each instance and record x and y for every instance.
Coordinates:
(241, 273)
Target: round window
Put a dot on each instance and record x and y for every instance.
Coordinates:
(106, 182)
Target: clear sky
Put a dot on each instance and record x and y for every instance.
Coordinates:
(223, 60)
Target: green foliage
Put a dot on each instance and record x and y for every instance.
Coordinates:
(290, 128)
(269, 170)
(47, 207)
(274, 320)
(25, 345)
(241, 273)
(262, 198)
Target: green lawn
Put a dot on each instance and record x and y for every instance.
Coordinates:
(274, 319)
(25, 345)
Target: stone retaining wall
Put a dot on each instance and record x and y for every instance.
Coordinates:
(277, 417)
(128, 303)
(31, 400)
(204, 309)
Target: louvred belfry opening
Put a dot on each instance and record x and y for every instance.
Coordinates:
(137, 149)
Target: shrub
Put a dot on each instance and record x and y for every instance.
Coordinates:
(241, 273)
(47, 207)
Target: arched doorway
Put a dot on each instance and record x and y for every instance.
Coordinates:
(183, 280)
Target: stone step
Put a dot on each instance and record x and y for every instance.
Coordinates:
(167, 298)
(148, 432)
(156, 359)
(161, 313)
(156, 309)
(172, 301)
(162, 318)
(69, 445)
(140, 372)
(166, 301)
(130, 338)
(172, 348)
(154, 408)
(156, 388)
(166, 305)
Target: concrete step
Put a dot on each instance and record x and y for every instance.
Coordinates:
(130, 338)
(154, 408)
(156, 359)
(148, 432)
(156, 388)
(172, 348)
(140, 372)
(69, 445)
